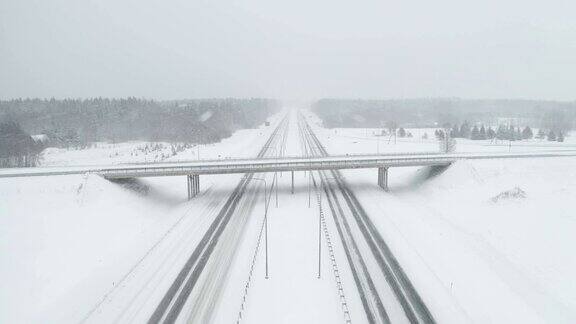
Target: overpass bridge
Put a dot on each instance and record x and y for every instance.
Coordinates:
(193, 169)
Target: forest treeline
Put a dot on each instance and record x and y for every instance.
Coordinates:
(77, 123)
(502, 132)
(550, 115)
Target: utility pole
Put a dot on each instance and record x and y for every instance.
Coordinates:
(309, 174)
(319, 233)
(276, 178)
(266, 242)
(265, 224)
(320, 241)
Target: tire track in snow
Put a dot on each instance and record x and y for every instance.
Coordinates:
(173, 301)
(412, 305)
(136, 265)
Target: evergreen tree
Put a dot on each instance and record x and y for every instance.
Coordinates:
(560, 137)
(551, 136)
(482, 135)
(502, 133)
(455, 132)
(540, 134)
(72, 139)
(439, 134)
(518, 134)
(475, 135)
(490, 134)
(511, 133)
(527, 133)
(401, 132)
(465, 130)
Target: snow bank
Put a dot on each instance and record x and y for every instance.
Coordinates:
(512, 194)
(63, 238)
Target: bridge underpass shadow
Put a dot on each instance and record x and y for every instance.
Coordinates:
(149, 191)
(157, 193)
(412, 182)
(132, 184)
(419, 178)
(408, 182)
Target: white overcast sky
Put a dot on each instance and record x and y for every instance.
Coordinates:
(171, 49)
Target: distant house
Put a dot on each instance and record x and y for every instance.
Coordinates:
(17, 149)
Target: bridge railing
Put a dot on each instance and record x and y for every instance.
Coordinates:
(276, 164)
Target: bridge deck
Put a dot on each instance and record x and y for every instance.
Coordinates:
(271, 164)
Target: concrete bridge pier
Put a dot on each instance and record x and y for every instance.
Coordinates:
(383, 178)
(193, 185)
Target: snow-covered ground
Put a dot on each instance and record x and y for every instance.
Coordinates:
(471, 255)
(67, 242)
(484, 241)
(366, 141)
(102, 153)
(110, 153)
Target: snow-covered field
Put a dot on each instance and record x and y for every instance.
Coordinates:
(473, 256)
(110, 153)
(365, 141)
(483, 241)
(102, 153)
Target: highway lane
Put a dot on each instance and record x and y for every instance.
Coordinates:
(386, 292)
(179, 294)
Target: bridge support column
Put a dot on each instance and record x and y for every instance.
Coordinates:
(188, 186)
(193, 185)
(292, 182)
(383, 178)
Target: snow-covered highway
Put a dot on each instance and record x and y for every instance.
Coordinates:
(382, 257)
(177, 296)
(371, 261)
